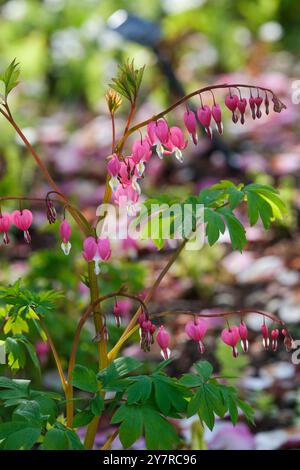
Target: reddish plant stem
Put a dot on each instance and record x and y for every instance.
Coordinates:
(78, 217)
(241, 312)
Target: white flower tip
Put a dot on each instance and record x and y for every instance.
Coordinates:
(66, 248)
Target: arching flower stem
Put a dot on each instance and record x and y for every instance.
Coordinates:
(183, 100)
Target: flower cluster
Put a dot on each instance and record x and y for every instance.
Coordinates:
(197, 328)
(161, 139)
(22, 219)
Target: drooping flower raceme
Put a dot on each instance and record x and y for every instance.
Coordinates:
(196, 330)
(23, 220)
(65, 234)
(5, 222)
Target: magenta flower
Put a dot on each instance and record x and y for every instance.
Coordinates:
(158, 135)
(5, 222)
(140, 151)
(176, 142)
(129, 197)
(65, 234)
(117, 313)
(96, 250)
(265, 335)
(231, 101)
(204, 116)
(243, 331)
(104, 248)
(217, 115)
(274, 335)
(242, 104)
(230, 336)
(23, 220)
(113, 168)
(252, 105)
(163, 341)
(190, 123)
(196, 330)
(126, 171)
(258, 102)
(162, 131)
(90, 248)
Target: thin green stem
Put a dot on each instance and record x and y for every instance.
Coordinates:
(55, 356)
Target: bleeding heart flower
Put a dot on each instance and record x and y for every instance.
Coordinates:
(191, 125)
(23, 220)
(265, 334)
(196, 330)
(243, 331)
(96, 250)
(230, 336)
(140, 151)
(176, 142)
(90, 248)
(231, 101)
(113, 168)
(258, 102)
(65, 234)
(163, 341)
(252, 105)
(242, 104)
(5, 222)
(217, 115)
(274, 335)
(204, 116)
(104, 248)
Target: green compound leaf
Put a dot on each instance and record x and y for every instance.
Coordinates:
(144, 419)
